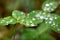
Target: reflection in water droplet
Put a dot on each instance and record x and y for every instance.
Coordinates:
(11, 20)
(51, 18)
(33, 19)
(41, 17)
(30, 21)
(46, 22)
(51, 3)
(47, 4)
(46, 18)
(48, 15)
(38, 15)
(32, 25)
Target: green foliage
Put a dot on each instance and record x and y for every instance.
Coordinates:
(44, 18)
(42, 28)
(18, 15)
(7, 20)
(49, 5)
(45, 36)
(53, 22)
(29, 34)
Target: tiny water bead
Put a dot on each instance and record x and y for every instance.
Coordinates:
(56, 27)
(39, 16)
(32, 14)
(35, 17)
(51, 17)
(29, 22)
(49, 5)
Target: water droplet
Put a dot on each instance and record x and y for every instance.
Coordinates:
(32, 25)
(44, 13)
(48, 15)
(27, 24)
(11, 20)
(45, 9)
(55, 17)
(51, 3)
(30, 21)
(47, 4)
(51, 18)
(38, 15)
(41, 17)
(46, 22)
(46, 18)
(53, 24)
(33, 19)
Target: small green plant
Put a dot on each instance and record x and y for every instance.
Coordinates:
(42, 19)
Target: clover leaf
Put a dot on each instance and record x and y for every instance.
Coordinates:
(49, 5)
(18, 15)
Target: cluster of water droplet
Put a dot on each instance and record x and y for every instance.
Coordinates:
(49, 6)
(53, 21)
(32, 19)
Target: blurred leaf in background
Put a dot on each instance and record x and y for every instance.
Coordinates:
(28, 4)
(44, 36)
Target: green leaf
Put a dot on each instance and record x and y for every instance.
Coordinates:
(34, 18)
(30, 19)
(32, 14)
(53, 22)
(29, 34)
(3, 22)
(42, 28)
(10, 20)
(18, 15)
(7, 20)
(29, 22)
(49, 5)
(44, 36)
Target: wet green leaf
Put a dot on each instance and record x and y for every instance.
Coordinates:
(3, 22)
(18, 15)
(7, 20)
(10, 20)
(34, 18)
(49, 5)
(53, 22)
